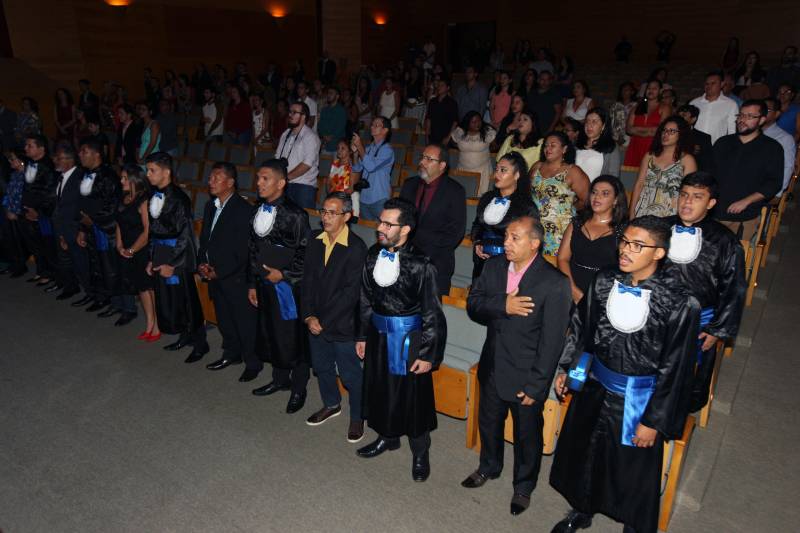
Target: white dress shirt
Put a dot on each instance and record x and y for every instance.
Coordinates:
(789, 151)
(301, 148)
(717, 118)
(64, 180)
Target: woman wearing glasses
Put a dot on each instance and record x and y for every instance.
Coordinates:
(662, 170)
(510, 198)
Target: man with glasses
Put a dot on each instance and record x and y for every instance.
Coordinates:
(773, 131)
(402, 335)
(717, 111)
(299, 146)
(629, 360)
(749, 169)
(441, 212)
(374, 162)
(330, 292)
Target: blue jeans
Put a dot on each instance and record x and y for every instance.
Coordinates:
(371, 211)
(302, 195)
(326, 357)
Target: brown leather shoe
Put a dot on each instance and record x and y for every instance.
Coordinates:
(356, 431)
(323, 414)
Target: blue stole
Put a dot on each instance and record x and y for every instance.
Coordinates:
(100, 239)
(637, 391)
(706, 316)
(45, 226)
(397, 329)
(169, 243)
(576, 377)
(286, 303)
(492, 249)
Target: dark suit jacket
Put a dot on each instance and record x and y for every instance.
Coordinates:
(227, 248)
(65, 215)
(523, 352)
(331, 292)
(440, 229)
(702, 150)
(131, 140)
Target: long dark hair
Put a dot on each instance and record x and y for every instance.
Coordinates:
(139, 184)
(532, 139)
(619, 215)
(569, 155)
(68, 95)
(498, 88)
(468, 118)
(622, 86)
(641, 107)
(523, 191)
(605, 144)
(684, 144)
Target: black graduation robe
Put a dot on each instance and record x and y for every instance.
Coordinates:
(484, 233)
(282, 343)
(592, 469)
(401, 405)
(101, 204)
(717, 279)
(177, 303)
(40, 195)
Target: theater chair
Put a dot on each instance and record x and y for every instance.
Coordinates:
(702, 420)
(674, 457)
(209, 313)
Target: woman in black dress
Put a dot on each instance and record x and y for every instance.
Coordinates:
(509, 199)
(132, 245)
(590, 241)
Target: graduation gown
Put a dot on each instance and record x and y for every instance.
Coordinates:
(592, 469)
(280, 342)
(39, 193)
(521, 203)
(100, 194)
(177, 303)
(716, 277)
(396, 405)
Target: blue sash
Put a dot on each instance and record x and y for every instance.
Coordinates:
(45, 226)
(286, 303)
(492, 249)
(706, 316)
(396, 329)
(637, 391)
(100, 239)
(169, 243)
(576, 377)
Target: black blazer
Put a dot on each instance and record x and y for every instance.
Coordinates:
(131, 140)
(65, 215)
(227, 248)
(331, 292)
(702, 150)
(441, 228)
(523, 352)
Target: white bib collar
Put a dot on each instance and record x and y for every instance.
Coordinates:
(265, 219)
(685, 244)
(387, 268)
(627, 308)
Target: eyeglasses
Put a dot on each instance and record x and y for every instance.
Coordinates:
(430, 159)
(671, 131)
(389, 225)
(292, 112)
(326, 213)
(635, 247)
(748, 116)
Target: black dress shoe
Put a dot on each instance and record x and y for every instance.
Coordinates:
(67, 294)
(19, 274)
(97, 306)
(83, 301)
(5, 271)
(196, 355)
(519, 503)
(177, 345)
(111, 311)
(476, 479)
(573, 522)
(270, 388)
(125, 319)
(219, 364)
(296, 402)
(249, 374)
(420, 468)
(53, 288)
(377, 447)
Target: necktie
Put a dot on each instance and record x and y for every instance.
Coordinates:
(60, 186)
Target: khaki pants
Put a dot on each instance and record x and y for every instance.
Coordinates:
(749, 227)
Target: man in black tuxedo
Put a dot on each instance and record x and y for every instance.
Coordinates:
(525, 304)
(38, 201)
(442, 213)
(330, 292)
(72, 263)
(223, 260)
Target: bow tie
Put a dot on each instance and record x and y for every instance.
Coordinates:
(92, 176)
(636, 291)
(500, 200)
(685, 229)
(387, 254)
(159, 195)
(267, 207)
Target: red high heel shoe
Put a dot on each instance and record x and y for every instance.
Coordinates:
(143, 335)
(153, 338)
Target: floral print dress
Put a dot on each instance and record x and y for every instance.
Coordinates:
(556, 202)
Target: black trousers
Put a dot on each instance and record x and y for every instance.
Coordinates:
(419, 445)
(236, 319)
(13, 244)
(528, 440)
(702, 380)
(34, 242)
(297, 377)
(103, 266)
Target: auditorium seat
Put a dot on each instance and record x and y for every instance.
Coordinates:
(421, 139)
(627, 176)
(207, 167)
(472, 212)
(366, 230)
(196, 150)
(262, 154)
(217, 152)
(246, 178)
(240, 155)
(399, 154)
(413, 157)
(401, 136)
(462, 277)
(201, 198)
(188, 172)
(325, 162)
(408, 124)
(469, 180)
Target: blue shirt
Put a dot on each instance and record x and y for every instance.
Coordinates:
(788, 119)
(12, 201)
(376, 169)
